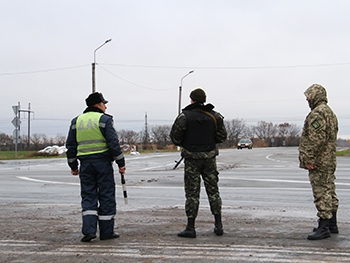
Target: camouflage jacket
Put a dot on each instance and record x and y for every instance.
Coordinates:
(179, 127)
(319, 136)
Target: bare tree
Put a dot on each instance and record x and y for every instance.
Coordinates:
(5, 142)
(36, 140)
(294, 130)
(248, 132)
(265, 131)
(24, 142)
(288, 134)
(45, 140)
(60, 139)
(294, 135)
(283, 130)
(235, 129)
(122, 136)
(161, 134)
(131, 137)
(127, 136)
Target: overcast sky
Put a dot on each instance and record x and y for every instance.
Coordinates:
(254, 59)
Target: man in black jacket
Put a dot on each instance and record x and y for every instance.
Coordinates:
(198, 129)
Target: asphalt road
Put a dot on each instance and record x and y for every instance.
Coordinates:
(255, 185)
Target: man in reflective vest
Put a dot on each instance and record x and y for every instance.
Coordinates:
(93, 140)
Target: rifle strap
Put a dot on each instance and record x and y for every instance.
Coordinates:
(211, 115)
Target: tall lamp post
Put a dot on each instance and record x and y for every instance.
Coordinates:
(180, 89)
(94, 64)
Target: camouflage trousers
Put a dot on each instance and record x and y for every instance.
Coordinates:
(323, 188)
(194, 168)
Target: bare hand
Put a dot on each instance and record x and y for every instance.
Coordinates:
(74, 172)
(310, 166)
(122, 170)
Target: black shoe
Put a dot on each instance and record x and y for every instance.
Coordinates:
(322, 231)
(218, 231)
(115, 235)
(188, 232)
(88, 238)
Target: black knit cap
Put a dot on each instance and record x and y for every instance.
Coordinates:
(95, 98)
(198, 95)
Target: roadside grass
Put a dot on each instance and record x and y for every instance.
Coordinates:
(344, 153)
(11, 155)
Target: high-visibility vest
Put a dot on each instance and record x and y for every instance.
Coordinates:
(89, 136)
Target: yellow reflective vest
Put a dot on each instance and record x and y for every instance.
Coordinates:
(89, 136)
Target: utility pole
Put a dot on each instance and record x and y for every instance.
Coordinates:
(180, 91)
(146, 129)
(94, 65)
(17, 123)
(29, 112)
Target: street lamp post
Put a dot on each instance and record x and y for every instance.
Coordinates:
(94, 64)
(180, 90)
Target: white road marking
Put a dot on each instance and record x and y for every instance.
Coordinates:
(44, 181)
(176, 187)
(162, 250)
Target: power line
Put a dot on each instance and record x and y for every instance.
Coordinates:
(50, 119)
(137, 85)
(236, 68)
(181, 67)
(41, 71)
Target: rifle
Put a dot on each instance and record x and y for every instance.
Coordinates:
(124, 188)
(178, 163)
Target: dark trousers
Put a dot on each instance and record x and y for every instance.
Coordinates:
(97, 197)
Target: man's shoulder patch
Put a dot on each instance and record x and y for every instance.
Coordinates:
(316, 124)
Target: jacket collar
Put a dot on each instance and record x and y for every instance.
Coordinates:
(94, 109)
(201, 106)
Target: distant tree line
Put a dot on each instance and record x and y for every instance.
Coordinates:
(263, 134)
(37, 142)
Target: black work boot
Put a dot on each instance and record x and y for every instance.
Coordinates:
(189, 231)
(218, 225)
(333, 227)
(322, 231)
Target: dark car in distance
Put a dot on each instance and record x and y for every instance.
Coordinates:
(244, 143)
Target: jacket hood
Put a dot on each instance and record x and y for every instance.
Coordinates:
(316, 94)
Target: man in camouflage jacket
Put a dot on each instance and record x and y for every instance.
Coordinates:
(197, 130)
(317, 154)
